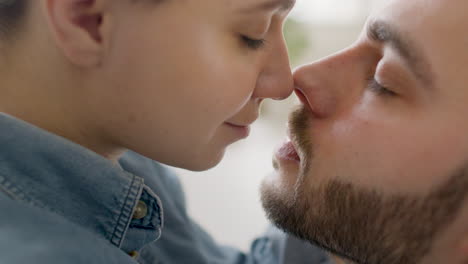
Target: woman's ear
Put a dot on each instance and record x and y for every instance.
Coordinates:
(464, 250)
(80, 28)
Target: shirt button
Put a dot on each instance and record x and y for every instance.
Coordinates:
(133, 254)
(141, 210)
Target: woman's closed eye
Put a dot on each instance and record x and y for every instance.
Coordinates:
(254, 44)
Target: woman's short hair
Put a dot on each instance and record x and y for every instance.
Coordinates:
(11, 14)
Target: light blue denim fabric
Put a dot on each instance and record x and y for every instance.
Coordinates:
(61, 203)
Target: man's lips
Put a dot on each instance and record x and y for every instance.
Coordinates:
(288, 152)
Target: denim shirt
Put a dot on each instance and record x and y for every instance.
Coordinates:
(62, 203)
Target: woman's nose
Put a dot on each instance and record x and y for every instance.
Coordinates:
(275, 81)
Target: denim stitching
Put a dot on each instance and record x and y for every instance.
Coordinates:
(121, 212)
(133, 193)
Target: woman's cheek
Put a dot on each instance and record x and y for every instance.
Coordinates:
(239, 92)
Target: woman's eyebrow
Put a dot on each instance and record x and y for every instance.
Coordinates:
(283, 5)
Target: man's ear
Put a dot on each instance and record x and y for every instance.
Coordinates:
(80, 29)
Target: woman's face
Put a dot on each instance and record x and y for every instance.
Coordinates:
(187, 76)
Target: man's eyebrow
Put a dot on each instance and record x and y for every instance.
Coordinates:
(283, 5)
(383, 32)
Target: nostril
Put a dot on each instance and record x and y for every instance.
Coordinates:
(301, 96)
(273, 87)
(283, 96)
(306, 100)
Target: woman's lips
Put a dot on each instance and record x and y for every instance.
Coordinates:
(288, 152)
(241, 131)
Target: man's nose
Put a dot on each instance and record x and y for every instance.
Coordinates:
(322, 85)
(275, 81)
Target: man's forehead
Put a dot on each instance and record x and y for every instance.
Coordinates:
(423, 9)
(427, 21)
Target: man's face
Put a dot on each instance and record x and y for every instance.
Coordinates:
(380, 174)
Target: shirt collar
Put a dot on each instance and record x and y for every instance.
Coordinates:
(53, 173)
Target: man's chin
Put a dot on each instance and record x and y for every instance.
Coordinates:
(279, 200)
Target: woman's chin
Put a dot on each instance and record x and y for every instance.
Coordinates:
(203, 162)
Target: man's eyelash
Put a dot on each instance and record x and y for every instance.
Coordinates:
(376, 87)
(254, 44)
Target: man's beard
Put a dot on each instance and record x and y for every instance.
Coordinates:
(359, 224)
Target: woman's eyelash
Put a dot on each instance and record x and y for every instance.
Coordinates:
(254, 44)
(376, 87)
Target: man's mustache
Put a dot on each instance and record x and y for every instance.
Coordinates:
(300, 121)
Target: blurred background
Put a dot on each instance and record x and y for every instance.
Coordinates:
(225, 200)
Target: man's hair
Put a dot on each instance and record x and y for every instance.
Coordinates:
(11, 14)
